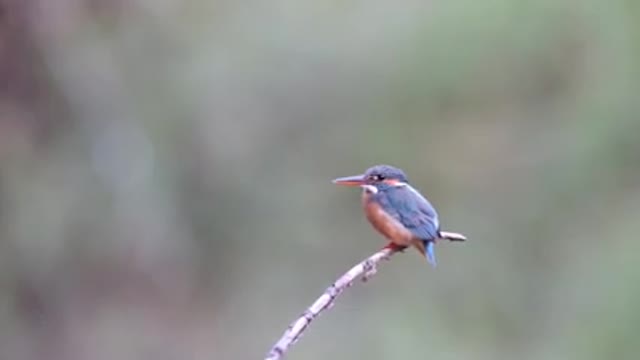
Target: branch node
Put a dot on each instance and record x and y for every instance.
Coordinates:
(365, 270)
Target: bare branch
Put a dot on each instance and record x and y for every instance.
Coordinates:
(364, 270)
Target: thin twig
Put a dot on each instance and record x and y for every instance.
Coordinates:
(364, 270)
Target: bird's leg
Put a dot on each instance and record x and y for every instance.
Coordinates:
(395, 247)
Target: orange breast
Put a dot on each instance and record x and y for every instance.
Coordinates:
(391, 228)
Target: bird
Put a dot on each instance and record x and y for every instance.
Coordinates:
(398, 211)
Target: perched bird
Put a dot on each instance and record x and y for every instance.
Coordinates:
(398, 211)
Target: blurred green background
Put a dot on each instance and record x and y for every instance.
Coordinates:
(165, 174)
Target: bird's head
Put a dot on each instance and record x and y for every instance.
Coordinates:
(376, 178)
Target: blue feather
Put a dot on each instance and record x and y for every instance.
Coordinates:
(431, 254)
(412, 210)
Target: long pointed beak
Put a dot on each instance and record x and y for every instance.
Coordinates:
(355, 180)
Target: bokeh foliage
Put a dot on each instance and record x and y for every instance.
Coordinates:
(165, 167)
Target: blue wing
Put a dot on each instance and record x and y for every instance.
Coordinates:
(412, 210)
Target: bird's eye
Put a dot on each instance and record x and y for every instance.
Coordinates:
(376, 177)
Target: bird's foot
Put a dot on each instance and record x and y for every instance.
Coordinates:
(395, 247)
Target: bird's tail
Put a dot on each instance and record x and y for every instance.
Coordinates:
(452, 236)
(430, 252)
(427, 249)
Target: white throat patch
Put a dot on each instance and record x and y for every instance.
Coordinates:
(370, 189)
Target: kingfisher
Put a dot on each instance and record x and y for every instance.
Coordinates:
(398, 211)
